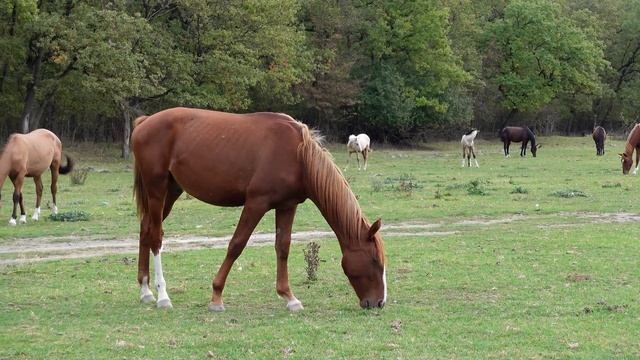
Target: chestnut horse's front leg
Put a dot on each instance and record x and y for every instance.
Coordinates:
(284, 223)
(635, 171)
(18, 182)
(252, 212)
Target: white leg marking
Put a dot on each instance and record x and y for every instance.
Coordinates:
(476, 163)
(635, 171)
(23, 219)
(12, 222)
(146, 296)
(161, 285)
(36, 214)
(54, 209)
(462, 162)
(294, 305)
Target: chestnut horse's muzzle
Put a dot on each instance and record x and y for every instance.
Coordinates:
(370, 303)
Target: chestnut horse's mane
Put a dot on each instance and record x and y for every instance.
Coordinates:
(329, 188)
(632, 140)
(327, 185)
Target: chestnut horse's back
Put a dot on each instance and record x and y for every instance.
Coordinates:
(220, 157)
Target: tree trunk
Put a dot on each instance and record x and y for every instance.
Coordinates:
(126, 115)
(30, 97)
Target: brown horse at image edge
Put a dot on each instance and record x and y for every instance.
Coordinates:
(30, 155)
(261, 161)
(633, 144)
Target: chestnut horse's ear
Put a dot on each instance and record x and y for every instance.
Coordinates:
(538, 146)
(375, 227)
(621, 155)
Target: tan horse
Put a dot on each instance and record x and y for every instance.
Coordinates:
(262, 161)
(31, 155)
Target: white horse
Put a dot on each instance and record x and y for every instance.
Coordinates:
(468, 148)
(359, 144)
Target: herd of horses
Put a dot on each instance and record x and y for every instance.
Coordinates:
(261, 161)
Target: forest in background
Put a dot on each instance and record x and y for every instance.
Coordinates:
(402, 71)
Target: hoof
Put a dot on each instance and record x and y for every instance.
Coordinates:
(294, 305)
(216, 307)
(35, 217)
(164, 304)
(12, 222)
(146, 299)
(23, 219)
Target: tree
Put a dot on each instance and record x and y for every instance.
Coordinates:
(541, 55)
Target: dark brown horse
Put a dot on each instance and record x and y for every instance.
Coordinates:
(518, 134)
(262, 161)
(599, 136)
(31, 155)
(633, 143)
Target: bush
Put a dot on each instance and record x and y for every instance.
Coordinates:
(79, 176)
(312, 259)
(519, 190)
(70, 216)
(569, 193)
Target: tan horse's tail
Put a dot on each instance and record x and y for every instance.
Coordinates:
(63, 170)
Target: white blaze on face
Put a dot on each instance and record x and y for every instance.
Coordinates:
(384, 281)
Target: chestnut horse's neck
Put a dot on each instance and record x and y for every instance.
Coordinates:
(633, 140)
(331, 193)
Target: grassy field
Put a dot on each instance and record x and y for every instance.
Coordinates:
(521, 258)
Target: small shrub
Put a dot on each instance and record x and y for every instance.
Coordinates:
(79, 176)
(377, 185)
(312, 259)
(519, 190)
(569, 193)
(70, 216)
(611, 185)
(475, 187)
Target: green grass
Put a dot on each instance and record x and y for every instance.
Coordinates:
(548, 282)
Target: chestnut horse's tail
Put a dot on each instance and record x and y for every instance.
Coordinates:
(139, 192)
(63, 170)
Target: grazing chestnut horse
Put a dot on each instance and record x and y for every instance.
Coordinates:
(633, 143)
(519, 134)
(599, 136)
(359, 144)
(262, 161)
(468, 147)
(31, 155)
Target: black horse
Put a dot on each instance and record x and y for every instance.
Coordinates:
(519, 134)
(599, 136)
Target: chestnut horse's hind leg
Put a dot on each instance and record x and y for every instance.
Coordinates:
(251, 215)
(36, 212)
(159, 196)
(506, 148)
(284, 222)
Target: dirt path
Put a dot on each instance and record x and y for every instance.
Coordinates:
(55, 248)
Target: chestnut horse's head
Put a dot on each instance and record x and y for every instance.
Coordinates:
(365, 267)
(626, 163)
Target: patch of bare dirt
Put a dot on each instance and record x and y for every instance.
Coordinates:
(56, 248)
